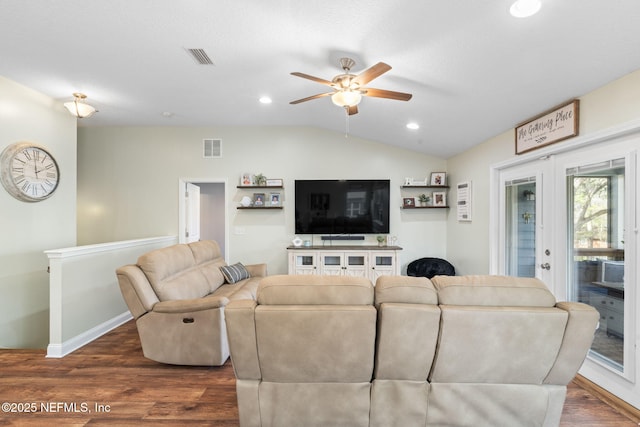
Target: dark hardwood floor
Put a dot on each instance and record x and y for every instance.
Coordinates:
(109, 382)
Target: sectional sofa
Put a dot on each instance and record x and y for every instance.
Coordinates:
(451, 351)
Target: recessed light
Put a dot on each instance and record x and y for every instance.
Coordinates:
(525, 8)
(413, 126)
(265, 100)
(167, 114)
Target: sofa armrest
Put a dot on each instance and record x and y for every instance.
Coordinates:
(241, 332)
(257, 270)
(578, 336)
(190, 305)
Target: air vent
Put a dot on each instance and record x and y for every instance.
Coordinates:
(200, 56)
(211, 148)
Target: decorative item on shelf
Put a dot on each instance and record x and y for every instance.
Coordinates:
(392, 240)
(297, 242)
(260, 180)
(258, 199)
(529, 195)
(381, 240)
(274, 182)
(424, 199)
(246, 179)
(438, 179)
(274, 199)
(408, 202)
(246, 201)
(440, 198)
(408, 181)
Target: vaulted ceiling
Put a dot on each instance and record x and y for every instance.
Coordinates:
(473, 69)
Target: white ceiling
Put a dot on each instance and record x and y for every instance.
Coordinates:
(474, 70)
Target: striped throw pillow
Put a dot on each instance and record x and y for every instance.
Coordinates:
(234, 273)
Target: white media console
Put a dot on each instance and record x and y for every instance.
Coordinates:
(368, 261)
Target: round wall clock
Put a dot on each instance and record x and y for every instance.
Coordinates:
(29, 171)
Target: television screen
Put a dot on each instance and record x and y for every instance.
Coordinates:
(342, 206)
(613, 271)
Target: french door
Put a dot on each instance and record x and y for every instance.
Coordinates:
(571, 220)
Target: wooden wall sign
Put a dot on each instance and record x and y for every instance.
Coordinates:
(551, 126)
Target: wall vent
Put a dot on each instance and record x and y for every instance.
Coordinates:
(200, 56)
(211, 148)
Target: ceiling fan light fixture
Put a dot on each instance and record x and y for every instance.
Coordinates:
(346, 98)
(78, 107)
(525, 8)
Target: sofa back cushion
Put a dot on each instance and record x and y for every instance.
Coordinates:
(498, 345)
(314, 290)
(486, 290)
(316, 343)
(174, 273)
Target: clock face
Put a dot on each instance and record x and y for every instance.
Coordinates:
(29, 172)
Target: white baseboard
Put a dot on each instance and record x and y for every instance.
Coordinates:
(71, 345)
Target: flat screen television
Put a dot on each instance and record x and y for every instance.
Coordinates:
(355, 206)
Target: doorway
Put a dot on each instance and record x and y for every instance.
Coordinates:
(209, 211)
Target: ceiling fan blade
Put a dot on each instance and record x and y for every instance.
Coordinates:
(389, 94)
(352, 110)
(309, 98)
(369, 74)
(315, 79)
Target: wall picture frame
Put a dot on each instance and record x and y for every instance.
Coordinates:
(554, 125)
(246, 179)
(258, 199)
(408, 202)
(439, 198)
(438, 179)
(275, 199)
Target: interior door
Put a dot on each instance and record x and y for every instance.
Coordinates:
(192, 205)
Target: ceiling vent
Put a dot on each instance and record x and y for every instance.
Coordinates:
(211, 148)
(200, 56)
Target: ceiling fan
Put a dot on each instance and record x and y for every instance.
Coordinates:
(348, 89)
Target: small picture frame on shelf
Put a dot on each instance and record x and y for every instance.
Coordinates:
(408, 202)
(438, 179)
(439, 198)
(274, 199)
(274, 182)
(258, 199)
(246, 179)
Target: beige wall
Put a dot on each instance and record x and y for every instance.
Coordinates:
(468, 243)
(128, 186)
(27, 229)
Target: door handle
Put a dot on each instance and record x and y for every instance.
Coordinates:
(545, 266)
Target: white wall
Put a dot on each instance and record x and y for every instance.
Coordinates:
(128, 181)
(27, 229)
(468, 243)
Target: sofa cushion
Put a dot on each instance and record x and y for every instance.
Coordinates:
(405, 289)
(498, 291)
(314, 290)
(205, 250)
(174, 274)
(234, 273)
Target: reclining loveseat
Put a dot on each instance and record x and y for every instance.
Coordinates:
(454, 350)
(178, 295)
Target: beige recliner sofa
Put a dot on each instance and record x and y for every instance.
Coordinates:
(456, 351)
(178, 295)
